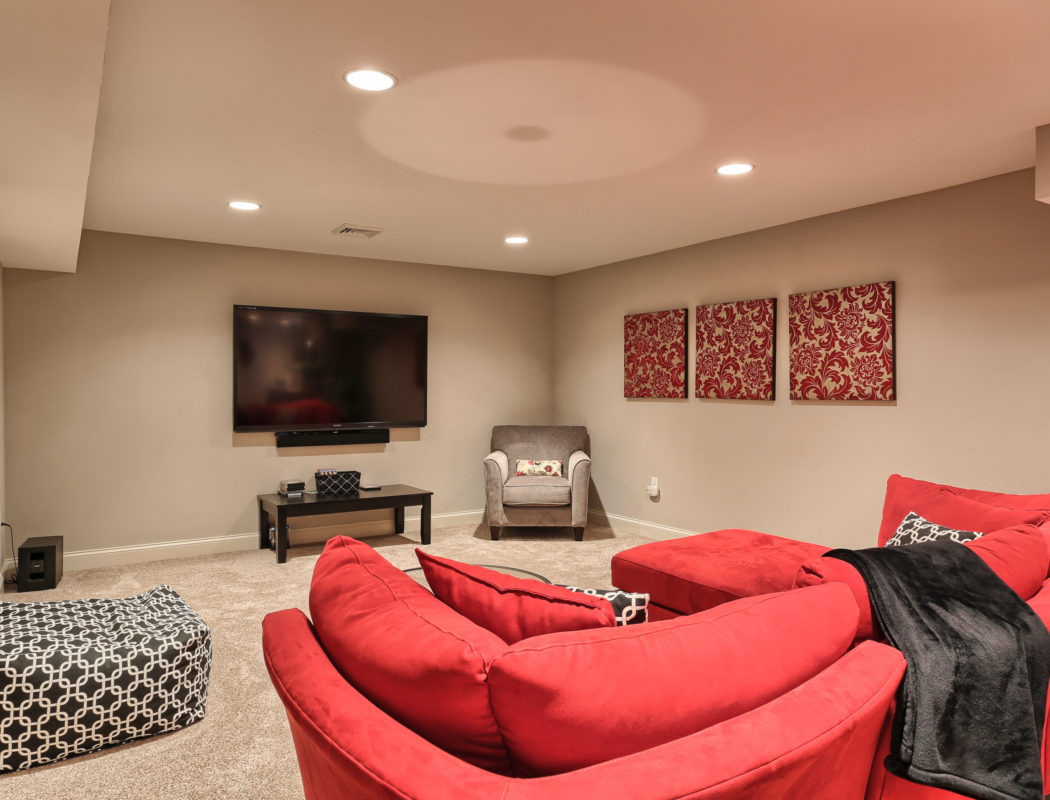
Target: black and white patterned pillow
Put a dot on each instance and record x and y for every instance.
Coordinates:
(629, 608)
(915, 530)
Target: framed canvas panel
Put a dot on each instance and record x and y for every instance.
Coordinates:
(735, 345)
(842, 343)
(654, 354)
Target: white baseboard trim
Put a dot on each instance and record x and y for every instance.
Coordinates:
(154, 551)
(454, 519)
(638, 527)
(184, 548)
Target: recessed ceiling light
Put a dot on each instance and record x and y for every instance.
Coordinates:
(735, 169)
(243, 205)
(371, 80)
(517, 240)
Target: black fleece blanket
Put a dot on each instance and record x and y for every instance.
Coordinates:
(970, 708)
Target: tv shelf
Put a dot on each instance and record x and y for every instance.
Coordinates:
(317, 438)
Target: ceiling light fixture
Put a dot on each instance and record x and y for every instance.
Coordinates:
(243, 205)
(516, 240)
(735, 169)
(370, 80)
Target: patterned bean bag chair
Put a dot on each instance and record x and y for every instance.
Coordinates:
(80, 675)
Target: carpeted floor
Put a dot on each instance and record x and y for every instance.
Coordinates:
(242, 747)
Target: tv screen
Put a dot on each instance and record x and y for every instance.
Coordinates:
(302, 369)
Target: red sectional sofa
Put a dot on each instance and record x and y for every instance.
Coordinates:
(391, 693)
(697, 573)
(760, 675)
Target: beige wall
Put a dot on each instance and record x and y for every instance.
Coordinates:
(119, 383)
(118, 378)
(972, 266)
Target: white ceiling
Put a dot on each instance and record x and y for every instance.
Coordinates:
(592, 126)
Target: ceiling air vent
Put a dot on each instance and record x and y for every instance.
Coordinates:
(357, 231)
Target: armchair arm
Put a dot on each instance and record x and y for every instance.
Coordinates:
(497, 470)
(578, 472)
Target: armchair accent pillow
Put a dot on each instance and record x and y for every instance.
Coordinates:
(512, 608)
(552, 468)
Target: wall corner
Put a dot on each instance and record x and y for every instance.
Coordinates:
(1042, 163)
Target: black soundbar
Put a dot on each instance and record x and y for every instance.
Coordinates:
(316, 438)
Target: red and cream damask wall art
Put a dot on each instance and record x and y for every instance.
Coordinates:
(842, 343)
(654, 354)
(735, 343)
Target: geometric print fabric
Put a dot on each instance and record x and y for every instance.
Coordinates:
(916, 530)
(629, 608)
(77, 676)
(336, 482)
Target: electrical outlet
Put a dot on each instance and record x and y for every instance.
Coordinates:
(653, 489)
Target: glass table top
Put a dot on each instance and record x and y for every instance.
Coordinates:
(416, 573)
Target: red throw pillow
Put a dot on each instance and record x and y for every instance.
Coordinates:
(1040, 604)
(512, 608)
(569, 700)
(1000, 499)
(831, 570)
(407, 652)
(942, 505)
(1018, 555)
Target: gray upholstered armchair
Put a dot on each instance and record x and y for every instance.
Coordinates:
(540, 500)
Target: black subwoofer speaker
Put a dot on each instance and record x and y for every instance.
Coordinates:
(39, 563)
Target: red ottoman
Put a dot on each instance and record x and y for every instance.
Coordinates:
(683, 576)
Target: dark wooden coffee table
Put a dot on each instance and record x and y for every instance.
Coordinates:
(280, 509)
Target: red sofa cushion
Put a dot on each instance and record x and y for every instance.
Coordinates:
(568, 700)
(409, 653)
(1040, 603)
(512, 608)
(1018, 555)
(944, 506)
(702, 571)
(831, 570)
(1001, 499)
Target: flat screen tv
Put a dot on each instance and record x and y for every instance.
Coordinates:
(298, 369)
